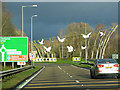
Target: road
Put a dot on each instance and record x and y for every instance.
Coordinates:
(68, 76)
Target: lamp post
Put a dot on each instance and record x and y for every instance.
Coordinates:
(31, 31)
(86, 46)
(22, 15)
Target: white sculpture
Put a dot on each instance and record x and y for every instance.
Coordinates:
(86, 36)
(41, 42)
(47, 49)
(61, 40)
(101, 33)
(70, 48)
(83, 47)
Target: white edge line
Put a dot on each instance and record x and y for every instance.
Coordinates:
(80, 68)
(64, 71)
(27, 81)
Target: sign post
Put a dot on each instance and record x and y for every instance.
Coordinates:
(12, 64)
(4, 64)
(32, 57)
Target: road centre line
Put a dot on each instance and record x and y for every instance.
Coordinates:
(28, 80)
(77, 81)
(64, 71)
(68, 74)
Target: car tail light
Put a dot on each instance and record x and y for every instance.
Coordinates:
(117, 65)
(99, 71)
(100, 66)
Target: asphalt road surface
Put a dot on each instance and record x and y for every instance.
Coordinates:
(69, 76)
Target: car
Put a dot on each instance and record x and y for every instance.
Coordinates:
(103, 67)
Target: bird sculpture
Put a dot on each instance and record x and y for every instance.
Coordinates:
(61, 40)
(42, 42)
(47, 49)
(83, 47)
(101, 33)
(86, 36)
(70, 48)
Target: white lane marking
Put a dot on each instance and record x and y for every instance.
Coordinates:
(77, 81)
(69, 75)
(28, 80)
(80, 68)
(64, 71)
(59, 67)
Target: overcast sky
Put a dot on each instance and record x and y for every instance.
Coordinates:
(53, 16)
(60, 0)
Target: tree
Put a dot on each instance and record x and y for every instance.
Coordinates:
(8, 29)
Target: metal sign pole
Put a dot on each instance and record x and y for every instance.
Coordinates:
(4, 64)
(12, 64)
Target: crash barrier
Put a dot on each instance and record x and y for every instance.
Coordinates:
(45, 60)
(76, 59)
(14, 71)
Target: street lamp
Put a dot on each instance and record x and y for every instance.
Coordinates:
(32, 30)
(85, 45)
(22, 15)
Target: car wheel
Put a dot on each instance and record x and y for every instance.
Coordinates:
(91, 75)
(94, 76)
(115, 76)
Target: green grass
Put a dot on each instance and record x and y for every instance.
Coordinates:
(69, 61)
(11, 81)
(82, 65)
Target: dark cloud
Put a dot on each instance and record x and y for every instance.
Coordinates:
(52, 16)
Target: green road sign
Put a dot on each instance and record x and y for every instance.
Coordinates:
(13, 49)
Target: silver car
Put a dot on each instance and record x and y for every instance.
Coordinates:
(105, 67)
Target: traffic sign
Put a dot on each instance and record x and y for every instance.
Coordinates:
(114, 56)
(76, 59)
(13, 49)
(32, 56)
(21, 63)
(46, 60)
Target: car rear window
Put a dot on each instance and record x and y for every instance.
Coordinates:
(107, 61)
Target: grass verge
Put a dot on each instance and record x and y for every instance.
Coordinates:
(82, 65)
(69, 61)
(12, 81)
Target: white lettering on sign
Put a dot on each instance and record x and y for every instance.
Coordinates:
(14, 53)
(3, 39)
(16, 57)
